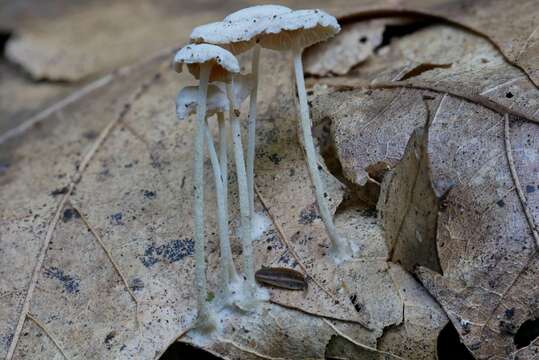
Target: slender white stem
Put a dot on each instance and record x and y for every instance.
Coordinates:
(251, 136)
(340, 247)
(243, 190)
(223, 154)
(228, 270)
(223, 161)
(198, 205)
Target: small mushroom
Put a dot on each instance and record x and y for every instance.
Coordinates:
(295, 31)
(239, 32)
(217, 103)
(205, 62)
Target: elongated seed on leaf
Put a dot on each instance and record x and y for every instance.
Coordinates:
(282, 278)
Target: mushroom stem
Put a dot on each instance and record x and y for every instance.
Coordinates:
(339, 246)
(204, 316)
(251, 138)
(243, 190)
(223, 156)
(227, 263)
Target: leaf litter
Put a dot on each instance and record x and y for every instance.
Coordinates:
(473, 169)
(144, 225)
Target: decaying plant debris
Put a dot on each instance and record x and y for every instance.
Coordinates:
(437, 125)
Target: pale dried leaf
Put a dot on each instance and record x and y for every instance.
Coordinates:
(133, 188)
(351, 46)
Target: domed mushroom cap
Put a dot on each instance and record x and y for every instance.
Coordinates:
(299, 29)
(238, 32)
(217, 101)
(257, 12)
(222, 61)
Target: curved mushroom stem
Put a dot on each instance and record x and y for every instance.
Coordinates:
(205, 319)
(251, 138)
(228, 269)
(340, 247)
(243, 190)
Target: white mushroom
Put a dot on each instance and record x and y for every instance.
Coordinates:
(295, 31)
(217, 103)
(205, 62)
(238, 32)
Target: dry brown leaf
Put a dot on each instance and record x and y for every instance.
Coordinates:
(485, 246)
(478, 72)
(20, 97)
(127, 191)
(70, 43)
(415, 338)
(351, 46)
(494, 19)
(487, 251)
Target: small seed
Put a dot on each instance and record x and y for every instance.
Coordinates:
(282, 278)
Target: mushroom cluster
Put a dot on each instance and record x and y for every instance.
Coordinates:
(211, 57)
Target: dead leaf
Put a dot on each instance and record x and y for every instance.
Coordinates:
(495, 20)
(350, 47)
(478, 72)
(21, 98)
(485, 246)
(97, 220)
(486, 249)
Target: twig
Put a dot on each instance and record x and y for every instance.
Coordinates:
(366, 347)
(25, 125)
(44, 329)
(514, 175)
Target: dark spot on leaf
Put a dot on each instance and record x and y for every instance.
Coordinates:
(60, 191)
(500, 203)
(116, 219)
(70, 214)
(308, 215)
(509, 95)
(90, 135)
(363, 39)
(137, 284)
(509, 313)
(356, 303)
(149, 194)
(275, 158)
(172, 251)
(71, 283)
(108, 339)
(530, 189)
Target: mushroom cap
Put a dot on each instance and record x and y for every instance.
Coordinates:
(193, 55)
(217, 101)
(257, 11)
(238, 32)
(299, 29)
